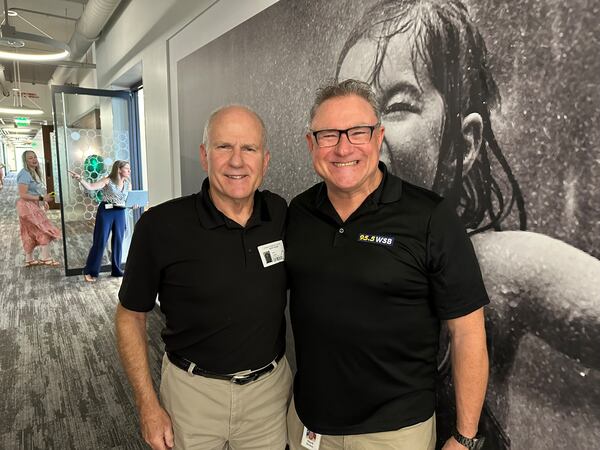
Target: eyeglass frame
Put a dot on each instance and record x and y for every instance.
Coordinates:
(370, 127)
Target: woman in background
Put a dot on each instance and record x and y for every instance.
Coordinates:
(427, 62)
(2, 166)
(110, 217)
(36, 229)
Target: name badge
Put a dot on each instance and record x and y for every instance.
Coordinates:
(271, 253)
(310, 439)
(108, 206)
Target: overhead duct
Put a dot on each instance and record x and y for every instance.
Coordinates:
(93, 19)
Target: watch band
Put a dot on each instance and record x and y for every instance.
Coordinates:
(475, 443)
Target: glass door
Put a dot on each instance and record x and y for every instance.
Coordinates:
(93, 129)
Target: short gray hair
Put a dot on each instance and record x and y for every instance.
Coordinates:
(220, 109)
(350, 86)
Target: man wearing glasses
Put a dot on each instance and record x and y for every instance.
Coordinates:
(375, 265)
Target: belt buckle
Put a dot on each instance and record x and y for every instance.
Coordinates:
(244, 379)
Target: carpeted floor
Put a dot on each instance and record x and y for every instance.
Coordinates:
(61, 383)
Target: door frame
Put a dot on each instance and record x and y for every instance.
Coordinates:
(134, 149)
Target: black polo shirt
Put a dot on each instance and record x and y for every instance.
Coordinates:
(367, 296)
(223, 308)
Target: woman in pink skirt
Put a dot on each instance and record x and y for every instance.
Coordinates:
(36, 229)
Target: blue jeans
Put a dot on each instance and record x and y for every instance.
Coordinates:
(107, 221)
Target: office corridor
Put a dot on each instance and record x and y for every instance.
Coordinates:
(61, 384)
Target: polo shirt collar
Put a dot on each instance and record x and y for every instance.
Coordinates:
(388, 191)
(210, 217)
(390, 188)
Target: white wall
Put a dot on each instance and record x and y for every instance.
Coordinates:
(156, 38)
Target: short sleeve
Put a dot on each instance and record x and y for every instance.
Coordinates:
(456, 283)
(24, 177)
(142, 272)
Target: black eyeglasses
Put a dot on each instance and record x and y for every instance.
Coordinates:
(356, 135)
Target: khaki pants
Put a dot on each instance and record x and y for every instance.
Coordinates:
(212, 414)
(420, 436)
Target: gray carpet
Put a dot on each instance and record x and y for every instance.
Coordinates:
(61, 383)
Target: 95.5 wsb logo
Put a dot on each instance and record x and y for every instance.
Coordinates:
(376, 239)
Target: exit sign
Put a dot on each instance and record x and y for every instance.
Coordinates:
(22, 121)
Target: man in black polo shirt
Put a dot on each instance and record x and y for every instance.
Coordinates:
(375, 264)
(215, 261)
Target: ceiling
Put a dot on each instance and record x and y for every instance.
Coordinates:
(57, 18)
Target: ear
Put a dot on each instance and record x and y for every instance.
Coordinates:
(266, 161)
(472, 130)
(203, 157)
(380, 136)
(310, 143)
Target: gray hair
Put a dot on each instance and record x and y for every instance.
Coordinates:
(220, 109)
(350, 86)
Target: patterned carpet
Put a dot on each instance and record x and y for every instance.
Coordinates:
(61, 383)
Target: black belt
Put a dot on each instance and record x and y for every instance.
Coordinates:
(240, 378)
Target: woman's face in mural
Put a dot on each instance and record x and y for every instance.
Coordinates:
(412, 109)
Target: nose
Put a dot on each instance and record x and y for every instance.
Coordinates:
(344, 146)
(236, 159)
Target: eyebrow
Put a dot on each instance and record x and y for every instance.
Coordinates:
(401, 88)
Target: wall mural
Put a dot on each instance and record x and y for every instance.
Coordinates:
(529, 194)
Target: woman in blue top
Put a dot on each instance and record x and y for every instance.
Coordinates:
(109, 217)
(36, 229)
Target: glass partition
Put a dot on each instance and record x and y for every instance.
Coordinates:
(92, 130)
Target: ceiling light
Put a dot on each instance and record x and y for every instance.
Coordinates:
(57, 50)
(11, 130)
(20, 43)
(21, 110)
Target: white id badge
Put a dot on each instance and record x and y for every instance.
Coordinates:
(271, 253)
(310, 439)
(108, 206)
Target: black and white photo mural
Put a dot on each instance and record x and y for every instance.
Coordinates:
(527, 186)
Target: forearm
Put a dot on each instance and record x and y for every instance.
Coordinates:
(91, 186)
(470, 373)
(24, 195)
(133, 350)
(32, 197)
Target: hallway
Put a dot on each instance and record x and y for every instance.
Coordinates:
(61, 383)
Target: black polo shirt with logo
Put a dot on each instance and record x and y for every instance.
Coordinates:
(223, 307)
(366, 299)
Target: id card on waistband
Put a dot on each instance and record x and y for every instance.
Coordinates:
(310, 439)
(271, 253)
(108, 206)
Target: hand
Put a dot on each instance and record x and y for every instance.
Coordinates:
(157, 429)
(74, 175)
(47, 198)
(452, 444)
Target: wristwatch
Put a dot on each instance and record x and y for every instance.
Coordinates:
(475, 443)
